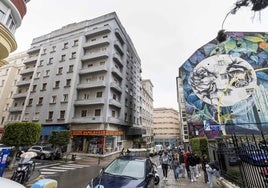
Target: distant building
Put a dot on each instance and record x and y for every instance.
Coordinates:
(225, 86)
(9, 76)
(147, 113)
(85, 77)
(182, 113)
(166, 127)
(11, 15)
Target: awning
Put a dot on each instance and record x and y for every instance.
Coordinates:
(135, 131)
(46, 130)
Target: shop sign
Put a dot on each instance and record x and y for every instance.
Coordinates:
(97, 132)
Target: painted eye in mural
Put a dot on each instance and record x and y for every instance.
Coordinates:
(223, 80)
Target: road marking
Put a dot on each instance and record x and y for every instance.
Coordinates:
(49, 169)
(47, 173)
(64, 168)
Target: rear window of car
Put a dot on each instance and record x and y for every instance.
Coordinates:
(131, 168)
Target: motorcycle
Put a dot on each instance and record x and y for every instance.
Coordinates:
(156, 175)
(25, 168)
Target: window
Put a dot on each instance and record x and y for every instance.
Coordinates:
(60, 70)
(2, 15)
(63, 57)
(68, 82)
(53, 49)
(11, 94)
(54, 99)
(65, 97)
(47, 73)
(34, 88)
(113, 113)
(44, 51)
(97, 112)
(38, 74)
(50, 60)
(86, 96)
(50, 115)
(71, 67)
(30, 102)
(83, 113)
(62, 114)
(3, 82)
(44, 87)
(40, 101)
(73, 55)
(65, 46)
(41, 63)
(57, 84)
(36, 115)
(114, 96)
(75, 43)
(99, 94)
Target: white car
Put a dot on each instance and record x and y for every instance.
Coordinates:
(7, 183)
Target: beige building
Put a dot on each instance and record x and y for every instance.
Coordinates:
(166, 127)
(147, 113)
(9, 75)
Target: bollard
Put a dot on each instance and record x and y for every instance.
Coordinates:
(45, 183)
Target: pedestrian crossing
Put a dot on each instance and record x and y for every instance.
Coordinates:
(58, 168)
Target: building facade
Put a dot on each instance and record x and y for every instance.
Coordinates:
(85, 77)
(9, 75)
(147, 113)
(166, 127)
(11, 15)
(182, 113)
(225, 86)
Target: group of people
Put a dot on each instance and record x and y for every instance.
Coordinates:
(186, 163)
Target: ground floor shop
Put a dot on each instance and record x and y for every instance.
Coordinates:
(96, 141)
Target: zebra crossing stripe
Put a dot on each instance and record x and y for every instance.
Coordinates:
(64, 168)
(47, 173)
(49, 169)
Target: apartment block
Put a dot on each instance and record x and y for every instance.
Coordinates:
(9, 76)
(85, 77)
(147, 113)
(167, 128)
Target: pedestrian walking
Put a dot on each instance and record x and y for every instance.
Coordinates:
(175, 165)
(165, 162)
(192, 165)
(205, 161)
(182, 164)
(198, 163)
(187, 167)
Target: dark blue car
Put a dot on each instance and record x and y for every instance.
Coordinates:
(125, 171)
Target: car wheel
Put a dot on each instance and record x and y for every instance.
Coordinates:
(42, 157)
(52, 157)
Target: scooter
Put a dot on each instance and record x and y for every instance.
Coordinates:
(156, 175)
(24, 170)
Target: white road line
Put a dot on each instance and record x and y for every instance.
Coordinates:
(64, 168)
(47, 173)
(49, 169)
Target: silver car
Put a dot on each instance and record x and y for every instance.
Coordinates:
(43, 152)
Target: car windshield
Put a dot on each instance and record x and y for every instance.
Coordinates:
(47, 148)
(131, 168)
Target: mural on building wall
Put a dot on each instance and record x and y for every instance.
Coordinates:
(226, 85)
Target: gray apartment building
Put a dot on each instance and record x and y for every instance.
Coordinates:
(84, 77)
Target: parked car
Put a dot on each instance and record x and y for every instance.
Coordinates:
(43, 152)
(124, 172)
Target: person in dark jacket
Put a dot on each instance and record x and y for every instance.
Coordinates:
(192, 161)
(205, 161)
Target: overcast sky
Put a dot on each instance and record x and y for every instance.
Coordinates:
(164, 33)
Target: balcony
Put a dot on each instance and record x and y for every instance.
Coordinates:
(117, 72)
(95, 56)
(96, 43)
(20, 95)
(93, 70)
(98, 31)
(116, 87)
(34, 50)
(89, 119)
(92, 84)
(23, 82)
(115, 120)
(115, 103)
(118, 34)
(31, 59)
(16, 109)
(89, 102)
(118, 59)
(118, 47)
(27, 71)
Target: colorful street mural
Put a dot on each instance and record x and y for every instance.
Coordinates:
(226, 85)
